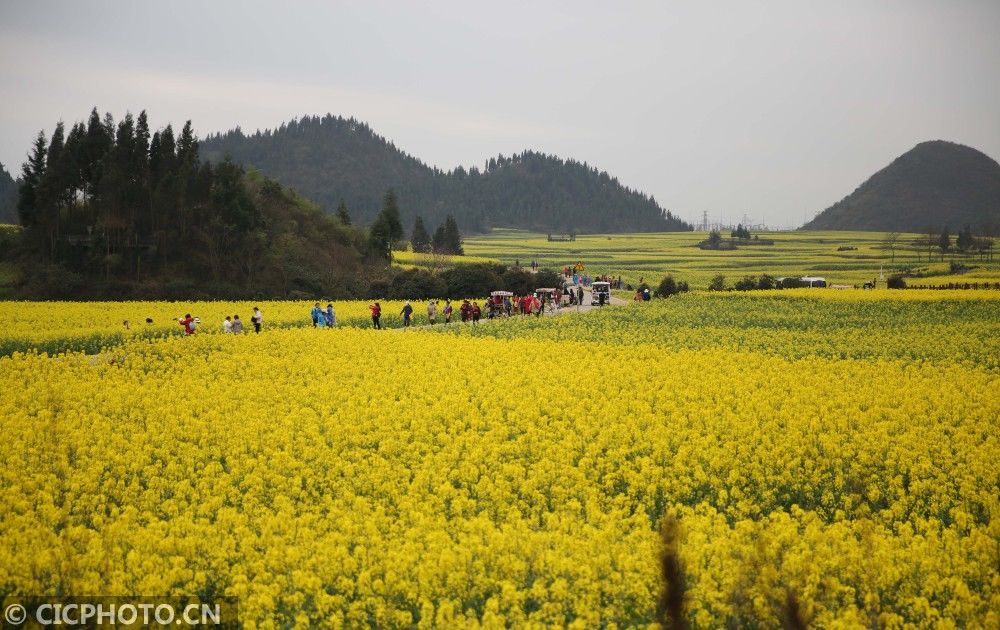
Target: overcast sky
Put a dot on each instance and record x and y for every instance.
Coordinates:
(771, 109)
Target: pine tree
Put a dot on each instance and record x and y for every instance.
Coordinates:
(379, 239)
(342, 214)
(420, 239)
(452, 237)
(438, 241)
(944, 241)
(187, 146)
(390, 209)
(31, 178)
(964, 241)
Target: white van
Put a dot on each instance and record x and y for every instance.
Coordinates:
(597, 290)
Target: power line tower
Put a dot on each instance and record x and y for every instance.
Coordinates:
(704, 221)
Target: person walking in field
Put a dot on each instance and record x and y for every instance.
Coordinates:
(237, 325)
(448, 310)
(579, 295)
(476, 312)
(227, 324)
(316, 314)
(376, 310)
(465, 310)
(407, 312)
(331, 316)
(432, 311)
(188, 323)
(257, 318)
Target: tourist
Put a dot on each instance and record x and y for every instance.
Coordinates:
(376, 310)
(188, 323)
(406, 313)
(448, 309)
(331, 316)
(238, 325)
(476, 312)
(432, 311)
(257, 319)
(227, 324)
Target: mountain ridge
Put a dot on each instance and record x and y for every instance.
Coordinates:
(332, 158)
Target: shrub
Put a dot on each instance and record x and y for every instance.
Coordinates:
(791, 283)
(718, 283)
(517, 281)
(895, 281)
(477, 280)
(548, 278)
(416, 284)
(748, 283)
(668, 286)
(765, 283)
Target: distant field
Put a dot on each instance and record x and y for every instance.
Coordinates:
(651, 256)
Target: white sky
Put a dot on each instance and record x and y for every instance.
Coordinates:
(774, 109)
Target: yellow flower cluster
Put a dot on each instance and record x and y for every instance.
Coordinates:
(355, 478)
(90, 326)
(928, 325)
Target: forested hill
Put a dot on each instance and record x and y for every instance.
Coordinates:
(8, 197)
(933, 185)
(330, 159)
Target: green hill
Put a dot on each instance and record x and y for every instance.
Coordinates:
(932, 185)
(330, 159)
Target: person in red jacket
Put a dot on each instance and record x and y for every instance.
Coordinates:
(188, 323)
(376, 309)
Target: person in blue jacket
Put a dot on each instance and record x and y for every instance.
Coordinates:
(317, 314)
(406, 313)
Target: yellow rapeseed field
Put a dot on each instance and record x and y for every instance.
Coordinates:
(840, 447)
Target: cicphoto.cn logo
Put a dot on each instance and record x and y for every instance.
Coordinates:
(113, 611)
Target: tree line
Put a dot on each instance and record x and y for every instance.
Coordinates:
(116, 209)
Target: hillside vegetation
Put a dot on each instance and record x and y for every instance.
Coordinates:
(933, 185)
(333, 159)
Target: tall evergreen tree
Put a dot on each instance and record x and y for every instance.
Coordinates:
(419, 238)
(944, 241)
(439, 241)
(964, 240)
(32, 173)
(452, 237)
(390, 209)
(342, 214)
(380, 239)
